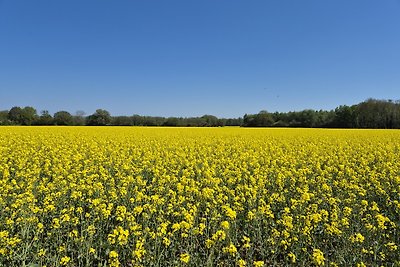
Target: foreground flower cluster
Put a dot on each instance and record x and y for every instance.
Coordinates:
(198, 197)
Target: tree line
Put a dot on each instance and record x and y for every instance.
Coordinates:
(372, 113)
(28, 116)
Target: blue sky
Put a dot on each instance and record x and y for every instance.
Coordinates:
(189, 58)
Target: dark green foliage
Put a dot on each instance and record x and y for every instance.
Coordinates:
(15, 115)
(45, 118)
(371, 113)
(22, 116)
(100, 118)
(172, 121)
(79, 118)
(378, 114)
(4, 117)
(122, 121)
(63, 118)
(210, 120)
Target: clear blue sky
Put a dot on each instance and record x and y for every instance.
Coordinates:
(189, 58)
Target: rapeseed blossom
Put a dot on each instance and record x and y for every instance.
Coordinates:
(318, 257)
(258, 263)
(64, 260)
(185, 257)
(133, 196)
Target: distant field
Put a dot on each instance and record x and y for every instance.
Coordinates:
(132, 196)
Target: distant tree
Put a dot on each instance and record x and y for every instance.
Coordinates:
(173, 121)
(121, 121)
(234, 122)
(221, 122)
(4, 117)
(249, 120)
(281, 123)
(137, 120)
(263, 119)
(15, 115)
(193, 122)
(210, 120)
(22, 116)
(371, 113)
(307, 118)
(100, 118)
(345, 117)
(280, 119)
(45, 118)
(374, 113)
(79, 118)
(29, 116)
(396, 115)
(63, 118)
(324, 118)
(153, 121)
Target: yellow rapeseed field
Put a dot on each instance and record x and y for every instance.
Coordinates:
(131, 196)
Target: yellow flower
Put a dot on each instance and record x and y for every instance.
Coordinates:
(64, 260)
(91, 229)
(176, 227)
(318, 257)
(292, 257)
(225, 225)
(357, 238)
(381, 220)
(41, 252)
(139, 250)
(231, 249)
(258, 263)
(113, 259)
(229, 212)
(40, 227)
(219, 236)
(113, 254)
(56, 223)
(209, 243)
(347, 211)
(391, 246)
(166, 241)
(246, 242)
(241, 263)
(185, 257)
(142, 188)
(250, 215)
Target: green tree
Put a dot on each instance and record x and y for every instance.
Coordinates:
(29, 116)
(45, 118)
(122, 121)
(345, 117)
(63, 118)
(4, 117)
(307, 118)
(15, 115)
(22, 116)
(249, 120)
(79, 118)
(210, 120)
(101, 117)
(172, 121)
(263, 119)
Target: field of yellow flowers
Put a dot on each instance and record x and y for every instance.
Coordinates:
(131, 196)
